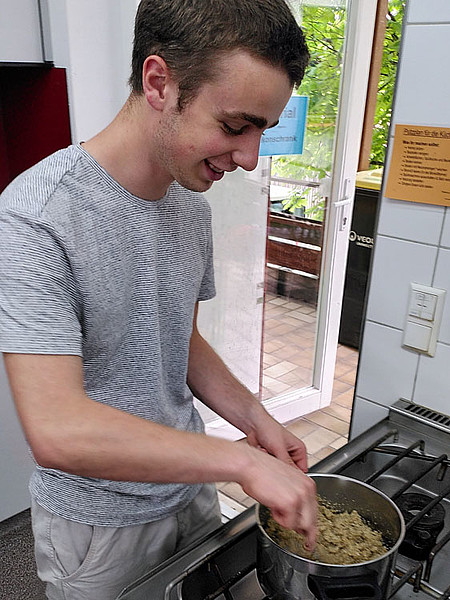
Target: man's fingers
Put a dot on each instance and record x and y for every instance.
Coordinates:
(300, 517)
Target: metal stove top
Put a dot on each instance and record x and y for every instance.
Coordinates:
(406, 453)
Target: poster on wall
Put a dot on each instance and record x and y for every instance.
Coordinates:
(288, 136)
(420, 165)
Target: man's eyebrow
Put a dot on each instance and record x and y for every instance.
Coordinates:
(259, 122)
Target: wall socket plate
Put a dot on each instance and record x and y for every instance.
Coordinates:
(423, 319)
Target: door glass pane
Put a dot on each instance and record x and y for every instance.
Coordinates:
(298, 208)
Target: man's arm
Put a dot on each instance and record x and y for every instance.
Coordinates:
(69, 431)
(213, 384)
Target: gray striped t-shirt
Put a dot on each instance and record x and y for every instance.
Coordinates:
(88, 269)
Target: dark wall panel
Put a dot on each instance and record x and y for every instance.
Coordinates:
(34, 117)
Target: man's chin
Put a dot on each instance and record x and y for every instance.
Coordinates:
(198, 186)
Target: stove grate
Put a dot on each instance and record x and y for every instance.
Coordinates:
(439, 460)
(360, 456)
(405, 576)
(428, 465)
(406, 452)
(433, 554)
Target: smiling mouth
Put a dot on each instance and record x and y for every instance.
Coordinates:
(214, 169)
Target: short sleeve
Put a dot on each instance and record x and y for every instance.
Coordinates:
(207, 287)
(39, 308)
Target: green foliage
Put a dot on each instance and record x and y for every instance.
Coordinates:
(386, 84)
(324, 28)
(298, 199)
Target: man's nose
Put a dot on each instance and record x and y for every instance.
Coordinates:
(246, 154)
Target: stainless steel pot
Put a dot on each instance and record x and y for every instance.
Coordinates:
(287, 576)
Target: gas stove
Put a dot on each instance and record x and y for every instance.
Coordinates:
(404, 456)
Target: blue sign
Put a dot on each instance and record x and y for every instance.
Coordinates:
(288, 136)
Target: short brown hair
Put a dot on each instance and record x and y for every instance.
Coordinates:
(190, 35)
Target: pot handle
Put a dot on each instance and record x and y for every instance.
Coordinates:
(358, 587)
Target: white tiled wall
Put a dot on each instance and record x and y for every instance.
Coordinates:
(423, 87)
(365, 414)
(423, 224)
(386, 370)
(433, 380)
(429, 11)
(441, 280)
(412, 242)
(445, 240)
(396, 263)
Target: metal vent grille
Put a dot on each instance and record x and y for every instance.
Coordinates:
(427, 414)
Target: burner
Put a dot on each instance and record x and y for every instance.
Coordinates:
(421, 537)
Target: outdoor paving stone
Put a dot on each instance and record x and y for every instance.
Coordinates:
(341, 441)
(339, 411)
(300, 428)
(281, 368)
(339, 387)
(270, 359)
(328, 422)
(319, 438)
(345, 399)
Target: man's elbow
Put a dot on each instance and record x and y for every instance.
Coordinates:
(51, 451)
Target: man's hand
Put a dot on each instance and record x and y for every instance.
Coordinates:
(276, 440)
(286, 491)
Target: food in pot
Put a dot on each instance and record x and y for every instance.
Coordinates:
(344, 538)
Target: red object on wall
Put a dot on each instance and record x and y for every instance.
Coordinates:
(34, 117)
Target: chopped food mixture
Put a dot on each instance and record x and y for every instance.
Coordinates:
(343, 538)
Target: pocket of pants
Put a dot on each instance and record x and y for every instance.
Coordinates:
(73, 547)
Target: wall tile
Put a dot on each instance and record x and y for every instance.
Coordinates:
(364, 415)
(429, 11)
(445, 241)
(386, 370)
(423, 90)
(411, 220)
(396, 264)
(433, 380)
(442, 280)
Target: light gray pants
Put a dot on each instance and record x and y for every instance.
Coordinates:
(81, 562)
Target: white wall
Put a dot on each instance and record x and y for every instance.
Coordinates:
(92, 39)
(412, 242)
(16, 464)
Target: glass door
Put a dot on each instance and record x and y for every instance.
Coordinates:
(304, 231)
(299, 210)
(315, 193)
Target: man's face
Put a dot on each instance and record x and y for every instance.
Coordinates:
(221, 128)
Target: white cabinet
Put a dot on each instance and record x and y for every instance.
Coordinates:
(20, 32)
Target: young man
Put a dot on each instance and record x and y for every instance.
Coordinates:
(106, 251)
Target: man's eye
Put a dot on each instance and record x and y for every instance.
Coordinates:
(233, 131)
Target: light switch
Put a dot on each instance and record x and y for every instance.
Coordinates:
(422, 305)
(423, 318)
(417, 336)
(429, 307)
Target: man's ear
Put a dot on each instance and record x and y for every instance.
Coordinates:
(156, 81)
